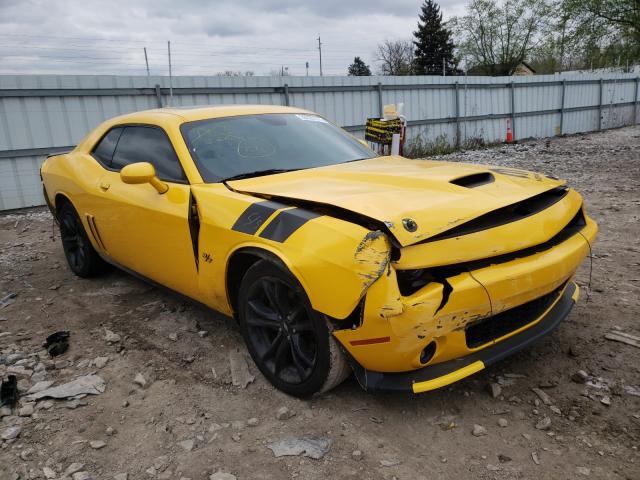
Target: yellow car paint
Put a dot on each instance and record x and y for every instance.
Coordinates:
(390, 188)
(142, 172)
(339, 263)
(421, 387)
(499, 240)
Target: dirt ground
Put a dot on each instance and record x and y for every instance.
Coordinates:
(189, 421)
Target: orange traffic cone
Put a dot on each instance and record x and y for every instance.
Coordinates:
(509, 132)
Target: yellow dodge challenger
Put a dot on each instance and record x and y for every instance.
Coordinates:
(413, 274)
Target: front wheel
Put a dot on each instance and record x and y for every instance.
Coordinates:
(290, 342)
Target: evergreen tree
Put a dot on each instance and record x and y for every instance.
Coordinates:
(433, 43)
(359, 69)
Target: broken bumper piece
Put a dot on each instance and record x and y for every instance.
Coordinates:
(441, 374)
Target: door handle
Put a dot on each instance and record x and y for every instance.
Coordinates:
(104, 186)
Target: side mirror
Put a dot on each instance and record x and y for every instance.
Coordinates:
(142, 172)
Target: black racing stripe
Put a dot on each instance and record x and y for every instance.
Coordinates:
(255, 215)
(287, 222)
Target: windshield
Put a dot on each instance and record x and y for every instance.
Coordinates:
(251, 145)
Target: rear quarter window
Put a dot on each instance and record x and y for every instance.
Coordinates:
(103, 151)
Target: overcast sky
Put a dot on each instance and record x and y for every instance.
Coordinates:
(207, 36)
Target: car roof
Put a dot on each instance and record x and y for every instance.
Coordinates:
(194, 113)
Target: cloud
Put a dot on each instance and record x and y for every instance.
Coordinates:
(99, 37)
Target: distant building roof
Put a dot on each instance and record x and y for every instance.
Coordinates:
(501, 69)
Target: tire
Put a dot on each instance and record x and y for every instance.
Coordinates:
(289, 341)
(82, 258)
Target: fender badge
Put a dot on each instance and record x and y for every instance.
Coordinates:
(409, 224)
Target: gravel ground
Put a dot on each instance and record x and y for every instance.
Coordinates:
(169, 409)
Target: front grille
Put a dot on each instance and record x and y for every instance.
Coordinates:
(504, 215)
(503, 323)
(410, 281)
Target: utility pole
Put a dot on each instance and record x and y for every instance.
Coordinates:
(307, 65)
(170, 78)
(146, 60)
(320, 52)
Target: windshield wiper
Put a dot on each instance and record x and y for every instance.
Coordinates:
(259, 173)
(358, 159)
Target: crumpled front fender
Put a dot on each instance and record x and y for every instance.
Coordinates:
(335, 261)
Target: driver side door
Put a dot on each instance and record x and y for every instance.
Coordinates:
(141, 229)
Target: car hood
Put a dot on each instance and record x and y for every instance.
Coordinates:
(431, 196)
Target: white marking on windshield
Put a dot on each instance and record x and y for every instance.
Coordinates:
(311, 118)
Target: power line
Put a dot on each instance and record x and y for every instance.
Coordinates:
(119, 61)
(69, 53)
(129, 41)
(190, 44)
(121, 54)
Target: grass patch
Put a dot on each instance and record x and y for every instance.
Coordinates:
(419, 147)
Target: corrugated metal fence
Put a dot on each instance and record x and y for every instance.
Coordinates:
(41, 114)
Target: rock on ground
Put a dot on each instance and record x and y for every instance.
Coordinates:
(309, 446)
(86, 385)
(284, 413)
(240, 375)
(478, 430)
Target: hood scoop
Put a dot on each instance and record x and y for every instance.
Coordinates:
(474, 180)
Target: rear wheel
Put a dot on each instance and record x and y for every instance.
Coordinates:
(290, 342)
(82, 258)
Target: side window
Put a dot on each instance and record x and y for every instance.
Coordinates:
(148, 144)
(103, 152)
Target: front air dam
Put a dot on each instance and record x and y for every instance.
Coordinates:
(442, 374)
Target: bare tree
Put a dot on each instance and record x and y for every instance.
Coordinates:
(498, 37)
(395, 57)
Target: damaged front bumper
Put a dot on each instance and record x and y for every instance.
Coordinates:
(441, 374)
(469, 313)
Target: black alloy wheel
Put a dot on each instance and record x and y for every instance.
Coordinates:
(289, 341)
(281, 331)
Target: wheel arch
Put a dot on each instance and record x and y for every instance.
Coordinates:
(62, 198)
(240, 260)
(59, 200)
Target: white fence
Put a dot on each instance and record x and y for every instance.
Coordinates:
(41, 114)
